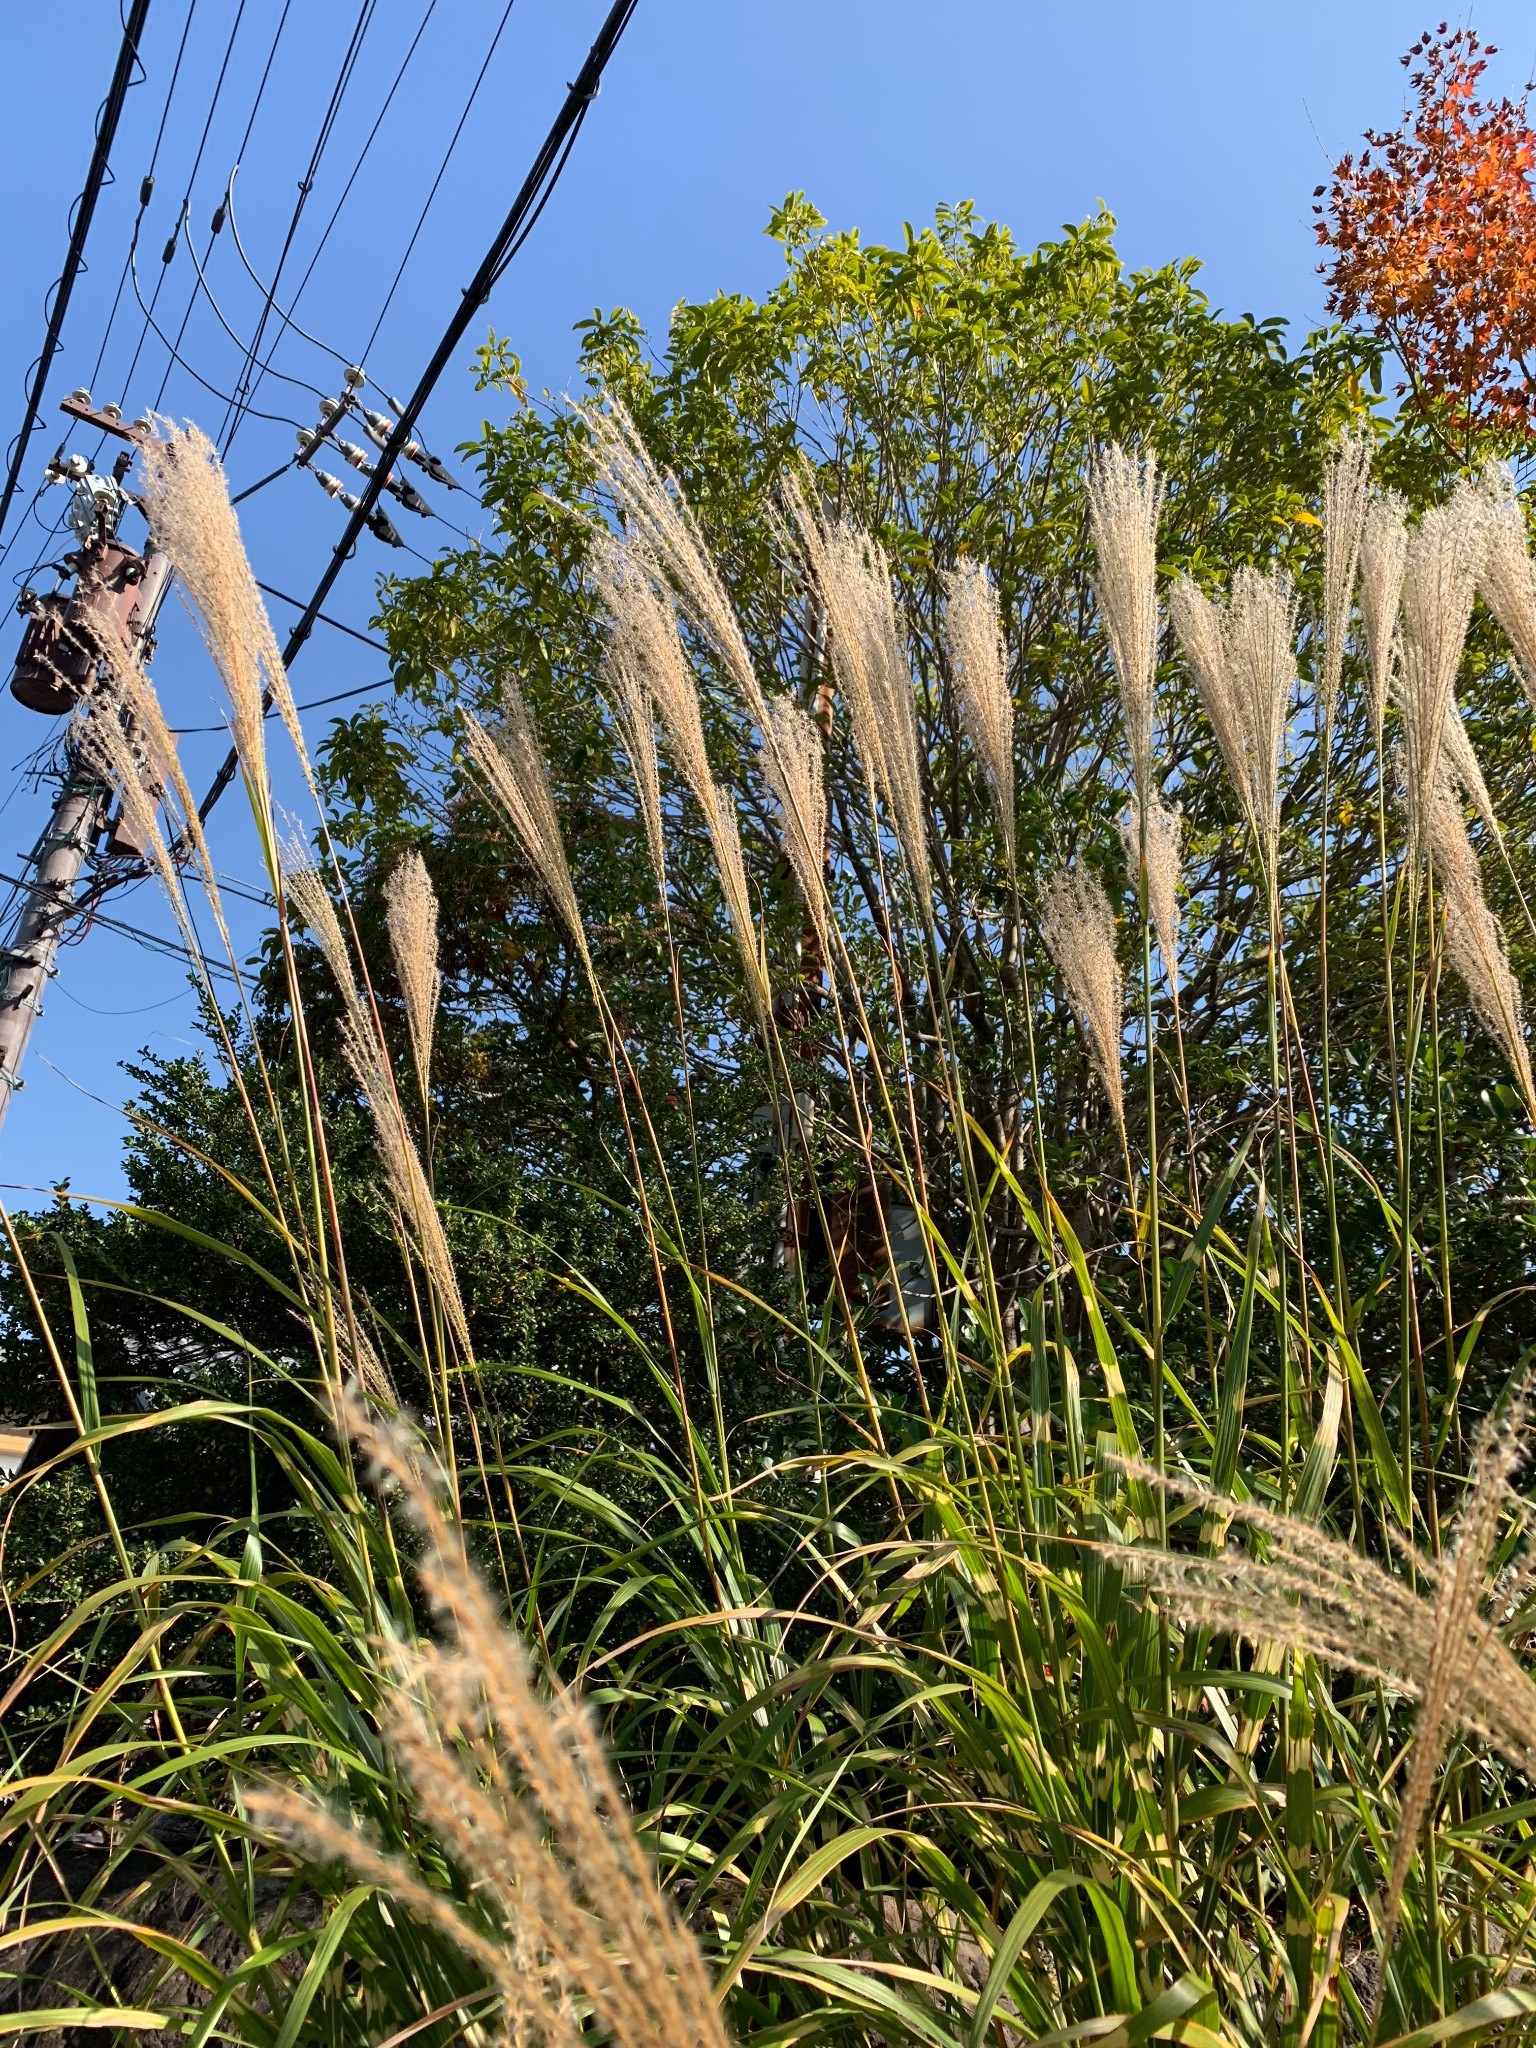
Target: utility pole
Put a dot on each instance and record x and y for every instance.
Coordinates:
(117, 595)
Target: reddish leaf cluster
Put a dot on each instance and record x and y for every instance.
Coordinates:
(1433, 234)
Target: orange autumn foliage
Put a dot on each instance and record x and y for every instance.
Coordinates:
(1433, 239)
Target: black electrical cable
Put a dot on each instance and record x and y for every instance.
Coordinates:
(229, 426)
(362, 156)
(325, 620)
(146, 192)
(312, 704)
(170, 248)
(96, 177)
(426, 207)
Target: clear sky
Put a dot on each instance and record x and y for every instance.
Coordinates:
(1203, 127)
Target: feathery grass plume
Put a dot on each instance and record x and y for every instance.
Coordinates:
(1259, 633)
(1346, 485)
(802, 809)
(1444, 555)
(1383, 564)
(634, 717)
(511, 765)
(666, 532)
(1313, 1593)
(511, 1777)
(979, 661)
(1243, 663)
(1078, 927)
(644, 636)
(1124, 500)
(368, 1057)
(410, 913)
(1197, 625)
(1459, 759)
(1508, 577)
(1165, 828)
(186, 501)
(853, 581)
(1474, 939)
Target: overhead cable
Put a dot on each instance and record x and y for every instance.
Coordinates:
(526, 208)
(85, 208)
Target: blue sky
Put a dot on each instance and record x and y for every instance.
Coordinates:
(1203, 127)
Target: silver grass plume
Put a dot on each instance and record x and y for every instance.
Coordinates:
(644, 634)
(634, 717)
(1459, 760)
(509, 1774)
(186, 501)
(1383, 564)
(1346, 484)
(1508, 578)
(979, 663)
(1165, 830)
(798, 768)
(853, 581)
(368, 1057)
(1444, 556)
(1314, 1594)
(1124, 500)
(410, 916)
(1244, 667)
(664, 530)
(1260, 637)
(511, 765)
(1474, 938)
(1078, 927)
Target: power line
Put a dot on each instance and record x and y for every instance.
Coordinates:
(526, 208)
(239, 407)
(426, 207)
(146, 192)
(95, 178)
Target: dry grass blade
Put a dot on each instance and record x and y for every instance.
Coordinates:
(514, 1782)
(1165, 828)
(979, 663)
(1124, 500)
(1474, 940)
(511, 765)
(1079, 930)
(795, 772)
(1444, 555)
(410, 913)
(1383, 564)
(1508, 577)
(853, 581)
(1346, 483)
(186, 500)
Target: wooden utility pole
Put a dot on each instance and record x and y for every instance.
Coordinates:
(117, 595)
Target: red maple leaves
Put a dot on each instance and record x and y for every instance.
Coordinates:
(1433, 240)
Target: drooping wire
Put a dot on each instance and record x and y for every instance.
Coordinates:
(244, 390)
(287, 319)
(97, 176)
(531, 199)
(154, 300)
(148, 180)
(421, 220)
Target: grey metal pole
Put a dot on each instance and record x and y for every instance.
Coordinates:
(28, 964)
